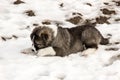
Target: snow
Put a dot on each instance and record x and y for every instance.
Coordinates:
(15, 65)
(54, 28)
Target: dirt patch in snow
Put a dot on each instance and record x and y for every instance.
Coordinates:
(18, 2)
(30, 13)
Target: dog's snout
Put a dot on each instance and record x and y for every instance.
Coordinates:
(36, 47)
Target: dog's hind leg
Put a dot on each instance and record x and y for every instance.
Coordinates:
(92, 45)
(90, 38)
(90, 49)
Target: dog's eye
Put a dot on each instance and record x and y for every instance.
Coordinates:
(44, 36)
(37, 37)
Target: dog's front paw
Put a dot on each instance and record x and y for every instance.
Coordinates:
(46, 52)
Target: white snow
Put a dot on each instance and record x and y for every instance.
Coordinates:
(15, 65)
(54, 28)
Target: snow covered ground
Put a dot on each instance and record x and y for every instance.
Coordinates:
(16, 26)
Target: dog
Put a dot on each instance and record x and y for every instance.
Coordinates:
(66, 41)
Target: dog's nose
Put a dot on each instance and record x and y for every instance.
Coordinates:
(35, 46)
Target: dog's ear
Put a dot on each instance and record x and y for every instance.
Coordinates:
(44, 36)
(34, 32)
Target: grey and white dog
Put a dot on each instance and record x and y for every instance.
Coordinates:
(67, 40)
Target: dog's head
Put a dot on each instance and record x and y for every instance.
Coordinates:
(42, 37)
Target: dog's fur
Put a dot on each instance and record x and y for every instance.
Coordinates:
(67, 40)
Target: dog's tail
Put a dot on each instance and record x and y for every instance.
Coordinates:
(104, 41)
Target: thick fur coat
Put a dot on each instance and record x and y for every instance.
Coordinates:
(67, 40)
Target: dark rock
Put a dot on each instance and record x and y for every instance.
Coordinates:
(108, 12)
(47, 22)
(117, 3)
(117, 19)
(109, 35)
(112, 49)
(114, 43)
(90, 22)
(5, 38)
(89, 4)
(117, 43)
(75, 20)
(35, 24)
(27, 27)
(109, 44)
(102, 20)
(30, 13)
(62, 5)
(106, 3)
(76, 13)
(18, 2)
(14, 36)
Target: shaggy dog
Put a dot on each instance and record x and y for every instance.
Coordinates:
(66, 41)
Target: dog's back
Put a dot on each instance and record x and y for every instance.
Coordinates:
(73, 40)
(66, 42)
